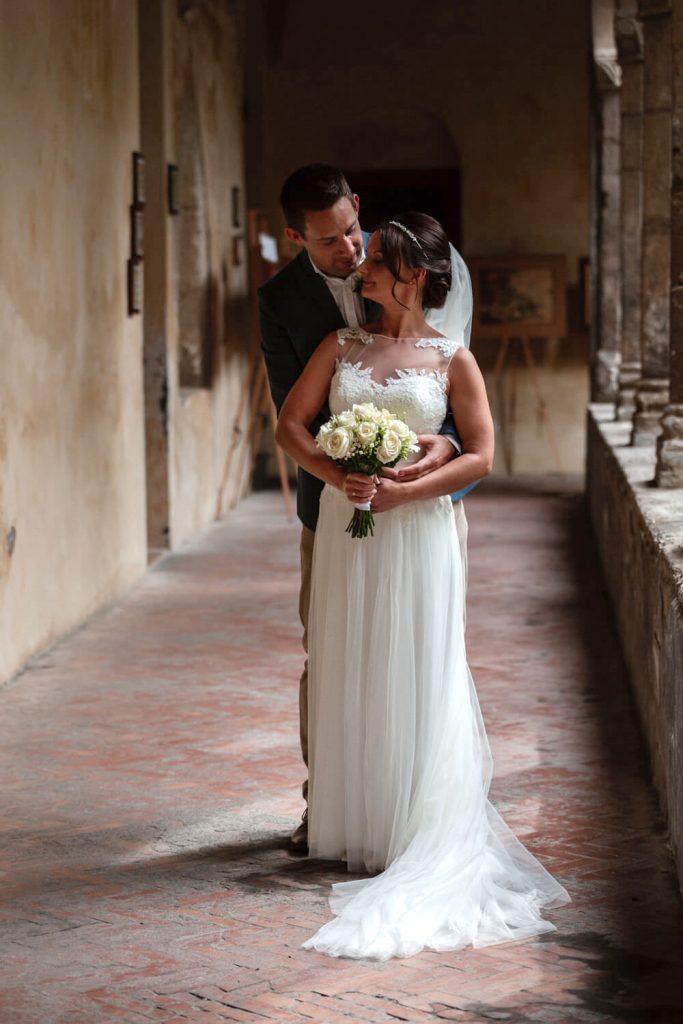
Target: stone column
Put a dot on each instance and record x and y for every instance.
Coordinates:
(670, 442)
(652, 392)
(607, 356)
(606, 187)
(629, 39)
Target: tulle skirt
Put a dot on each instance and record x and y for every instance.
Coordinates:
(398, 757)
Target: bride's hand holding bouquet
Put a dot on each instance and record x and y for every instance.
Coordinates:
(363, 440)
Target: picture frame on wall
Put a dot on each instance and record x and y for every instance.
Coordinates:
(139, 189)
(136, 285)
(173, 188)
(519, 296)
(236, 207)
(585, 291)
(137, 232)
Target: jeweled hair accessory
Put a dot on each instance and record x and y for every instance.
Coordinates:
(409, 233)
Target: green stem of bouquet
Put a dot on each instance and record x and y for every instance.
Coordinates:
(362, 524)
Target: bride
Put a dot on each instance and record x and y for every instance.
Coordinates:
(399, 760)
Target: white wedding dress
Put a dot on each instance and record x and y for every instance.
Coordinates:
(399, 762)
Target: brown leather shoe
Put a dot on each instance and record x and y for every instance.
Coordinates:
(299, 837)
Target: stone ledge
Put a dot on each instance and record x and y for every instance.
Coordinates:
(639, 533)
(661, 509)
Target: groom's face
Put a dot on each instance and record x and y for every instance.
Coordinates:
(333, 237)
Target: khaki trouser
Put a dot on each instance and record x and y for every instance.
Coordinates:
(307, 539)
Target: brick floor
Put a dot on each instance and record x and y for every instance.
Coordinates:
(150, 778)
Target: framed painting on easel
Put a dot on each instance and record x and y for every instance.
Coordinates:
(519, 296)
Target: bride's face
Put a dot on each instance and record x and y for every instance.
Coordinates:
(378, 281)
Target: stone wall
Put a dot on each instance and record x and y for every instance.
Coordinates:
(639, 531)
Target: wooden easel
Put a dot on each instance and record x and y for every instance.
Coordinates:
(255, 403)
(508, 415)
(507, 309)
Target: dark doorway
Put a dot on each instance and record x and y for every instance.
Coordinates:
(383, 194)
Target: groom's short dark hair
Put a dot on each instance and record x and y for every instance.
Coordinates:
(314, 187)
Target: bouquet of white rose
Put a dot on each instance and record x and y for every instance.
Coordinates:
(364, 439)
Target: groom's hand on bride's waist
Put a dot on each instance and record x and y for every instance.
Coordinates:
(438, 450)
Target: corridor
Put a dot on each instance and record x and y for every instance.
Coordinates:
(151, 777)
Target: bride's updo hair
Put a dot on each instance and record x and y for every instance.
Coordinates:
(422, 245)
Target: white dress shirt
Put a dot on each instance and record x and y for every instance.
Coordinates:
(349, 303)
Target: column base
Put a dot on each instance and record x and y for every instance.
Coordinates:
(669, 472)
(629, 375)
(652, 397)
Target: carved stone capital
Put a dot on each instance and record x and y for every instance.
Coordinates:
(629, 375)
(652, 396)
(669, 472)
(608, 77)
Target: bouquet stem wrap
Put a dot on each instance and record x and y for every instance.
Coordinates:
(362, 521)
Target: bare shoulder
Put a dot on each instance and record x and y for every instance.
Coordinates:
(327, 350)
(463, 362)
(464, 375)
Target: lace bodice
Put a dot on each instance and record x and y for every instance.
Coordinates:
(406, 376)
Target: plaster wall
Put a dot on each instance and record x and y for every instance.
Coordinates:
(207, 61)
(639, 532)
(71, 418)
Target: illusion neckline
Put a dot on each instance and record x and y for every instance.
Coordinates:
(422, 337)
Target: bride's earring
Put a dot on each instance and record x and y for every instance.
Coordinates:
(416, 282)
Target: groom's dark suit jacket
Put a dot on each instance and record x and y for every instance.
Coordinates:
(296, 311)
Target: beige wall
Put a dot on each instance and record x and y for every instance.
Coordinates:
(71, 438)
(89, 454)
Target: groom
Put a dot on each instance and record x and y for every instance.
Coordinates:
(304, 302)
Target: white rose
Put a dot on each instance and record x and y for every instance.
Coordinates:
(399, 427)
(336, 444)
(366, 432)
(390, 448)
(367, 411)
(346, 418)
(322, 434)
(363, 410)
